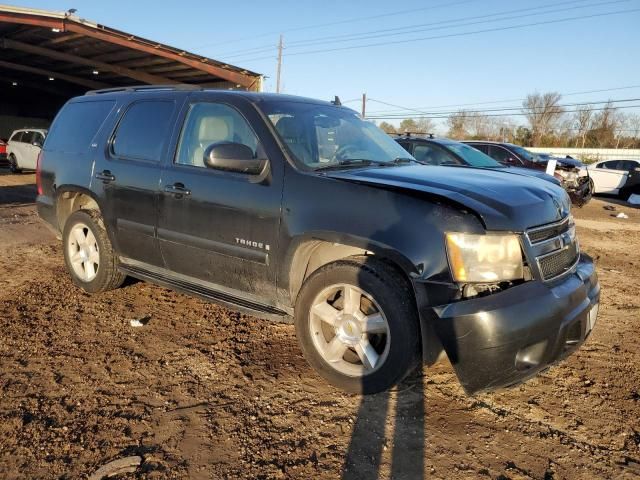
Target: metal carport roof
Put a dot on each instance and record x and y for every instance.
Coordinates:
(38, 45)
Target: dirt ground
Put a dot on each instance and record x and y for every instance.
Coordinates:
(202, 392)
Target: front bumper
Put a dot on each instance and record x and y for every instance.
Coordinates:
(503, 339)
(582, 193)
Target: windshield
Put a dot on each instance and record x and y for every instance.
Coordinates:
(472, 156)
(322, 136)
(526, 154)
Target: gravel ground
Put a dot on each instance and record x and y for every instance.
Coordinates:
(203, 392)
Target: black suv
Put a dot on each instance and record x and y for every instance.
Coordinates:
(289, 207)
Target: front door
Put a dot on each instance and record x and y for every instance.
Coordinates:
(127, 174)
(216, 226)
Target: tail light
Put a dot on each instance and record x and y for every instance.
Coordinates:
(39, 174)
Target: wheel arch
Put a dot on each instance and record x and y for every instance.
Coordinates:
(71, 198)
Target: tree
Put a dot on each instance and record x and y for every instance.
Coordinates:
(543, 111)
(604, 127)
(387, 127)
(458, 124)
(425, 125)
(582, 119)
(408, 125)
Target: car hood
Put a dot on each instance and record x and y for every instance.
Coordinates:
(503, 200)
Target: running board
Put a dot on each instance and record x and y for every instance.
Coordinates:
(208, 293)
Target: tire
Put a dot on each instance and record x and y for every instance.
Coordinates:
(88, 253)
(385, 297)
(13, 164)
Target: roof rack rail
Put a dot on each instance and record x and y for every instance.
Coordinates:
(140, 88)
(409, 134)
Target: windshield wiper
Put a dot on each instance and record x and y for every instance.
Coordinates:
(351, 162)
(401, 160)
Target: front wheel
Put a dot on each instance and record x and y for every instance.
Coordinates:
(357, 324)
(88, 253)
(13, 164)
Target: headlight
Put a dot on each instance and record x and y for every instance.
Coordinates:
(484, 258)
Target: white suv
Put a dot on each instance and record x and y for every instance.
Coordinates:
(23, 148)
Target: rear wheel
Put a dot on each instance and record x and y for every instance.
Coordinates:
(88, 253)
(357, 324)
(13, 164)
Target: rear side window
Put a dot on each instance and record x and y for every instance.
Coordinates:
(77, 124)
(17, 137)
(143, 131)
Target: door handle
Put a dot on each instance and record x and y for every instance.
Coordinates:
(106, 176)
(177, 190)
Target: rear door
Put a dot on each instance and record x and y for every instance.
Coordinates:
(127, 173)
(216, 226)
(30, 150)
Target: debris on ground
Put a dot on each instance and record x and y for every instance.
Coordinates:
(622, 215)
(610, 207)
(117, 467)
(140, 322)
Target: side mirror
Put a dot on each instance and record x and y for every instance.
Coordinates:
(232, 157)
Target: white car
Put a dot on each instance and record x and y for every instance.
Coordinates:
(23, 148)
(616, 177)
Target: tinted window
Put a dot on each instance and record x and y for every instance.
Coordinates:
(479, 146)
(143, 130)
(407, 146)
(472, 156)
(17, 137)
(502, 155)
(434, 155)
(627, 165)
(37, 137)
(209, 123)
(77, 124)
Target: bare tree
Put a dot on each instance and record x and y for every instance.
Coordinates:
(425, 125)
(582, 119)
(459, 124)
(543, 111)
(605, 125)
(387, 127)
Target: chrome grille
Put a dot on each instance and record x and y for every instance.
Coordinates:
(554, 247)
(540, 234)
(557, 263)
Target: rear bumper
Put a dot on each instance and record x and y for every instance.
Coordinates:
(505, 338)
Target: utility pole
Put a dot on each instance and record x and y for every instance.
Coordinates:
(364, 105)
(280, 47)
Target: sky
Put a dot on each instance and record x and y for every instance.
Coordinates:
(481, 51)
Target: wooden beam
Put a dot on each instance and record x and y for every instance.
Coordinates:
(36, 21)
(61, 38)
(48, 73)
(45, 87)
(113, 37)
(75, 59)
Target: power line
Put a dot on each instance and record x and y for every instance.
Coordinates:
(374, 117)
(496, 101)
(462, 34)
(408, 29)
(482, 111)
(341, 22)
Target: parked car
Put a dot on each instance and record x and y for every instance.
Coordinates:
(24, 147)
(443, 151)
(3, 152)
(286, 207)
(616, 177)
(578, 186)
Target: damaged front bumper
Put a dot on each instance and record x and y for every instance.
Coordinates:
(505, 338)
(580, 191)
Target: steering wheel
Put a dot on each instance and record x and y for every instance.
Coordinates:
(344, 150)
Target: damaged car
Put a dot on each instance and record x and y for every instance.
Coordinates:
(569, 171)
(295, 209)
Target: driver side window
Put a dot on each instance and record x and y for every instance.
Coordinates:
(209, 123)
